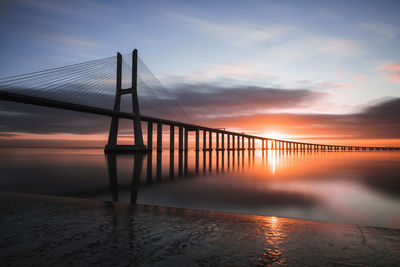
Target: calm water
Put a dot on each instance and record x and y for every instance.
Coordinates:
(350, 187)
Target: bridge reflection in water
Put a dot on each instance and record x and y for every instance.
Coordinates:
(359, 188)
(200, 163)
(300, 184)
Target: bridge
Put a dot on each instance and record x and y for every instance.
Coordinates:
(93, 87)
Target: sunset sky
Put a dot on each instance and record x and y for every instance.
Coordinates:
(323, 71)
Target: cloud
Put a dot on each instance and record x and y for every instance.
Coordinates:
(200, 101)
(92, 9)
(237, 70)
(68, 40)
(380, 121)
(392, 71)
(384, 30)
(312, 45)
(231, 33)
(335, 85)
(41, 120)
(208, 100)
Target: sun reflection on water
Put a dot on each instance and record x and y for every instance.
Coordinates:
(274, 235)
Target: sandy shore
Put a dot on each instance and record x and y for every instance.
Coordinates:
(43, 230)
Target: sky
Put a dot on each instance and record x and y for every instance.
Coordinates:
(326, 71)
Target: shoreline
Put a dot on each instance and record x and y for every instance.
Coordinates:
(61, 230)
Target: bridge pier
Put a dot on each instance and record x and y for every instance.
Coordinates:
(180, 139)
(222, 142)
(186, 139)
(216, 140)
(112, 145)
(150, 135)
(197, 139)
(159, 136)
(204, 140)
(210, 140)
(171, 137)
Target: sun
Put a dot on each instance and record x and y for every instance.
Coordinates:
(274, 135)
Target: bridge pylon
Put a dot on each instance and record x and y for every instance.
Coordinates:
(112, 145)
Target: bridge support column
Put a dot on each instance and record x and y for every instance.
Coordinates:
(159, 136)
(180, 138)
(204, 140)
(112, 145)
(210, 140)
(197, 140)
(228, 136)
(222, 141)
(233, 141)
(171, 137)
(217, 141)
(186, 139)
(253, 144)
(242, 142)
(150, 135)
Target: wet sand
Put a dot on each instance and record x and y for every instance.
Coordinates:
(44, 230)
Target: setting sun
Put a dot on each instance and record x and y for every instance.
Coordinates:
(276, 135)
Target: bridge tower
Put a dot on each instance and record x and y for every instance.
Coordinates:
(112, 145)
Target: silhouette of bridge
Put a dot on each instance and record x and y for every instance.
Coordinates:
(91, 86)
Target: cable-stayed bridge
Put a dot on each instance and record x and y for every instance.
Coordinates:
(97, 87)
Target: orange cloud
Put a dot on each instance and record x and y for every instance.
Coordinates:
(392, 70)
